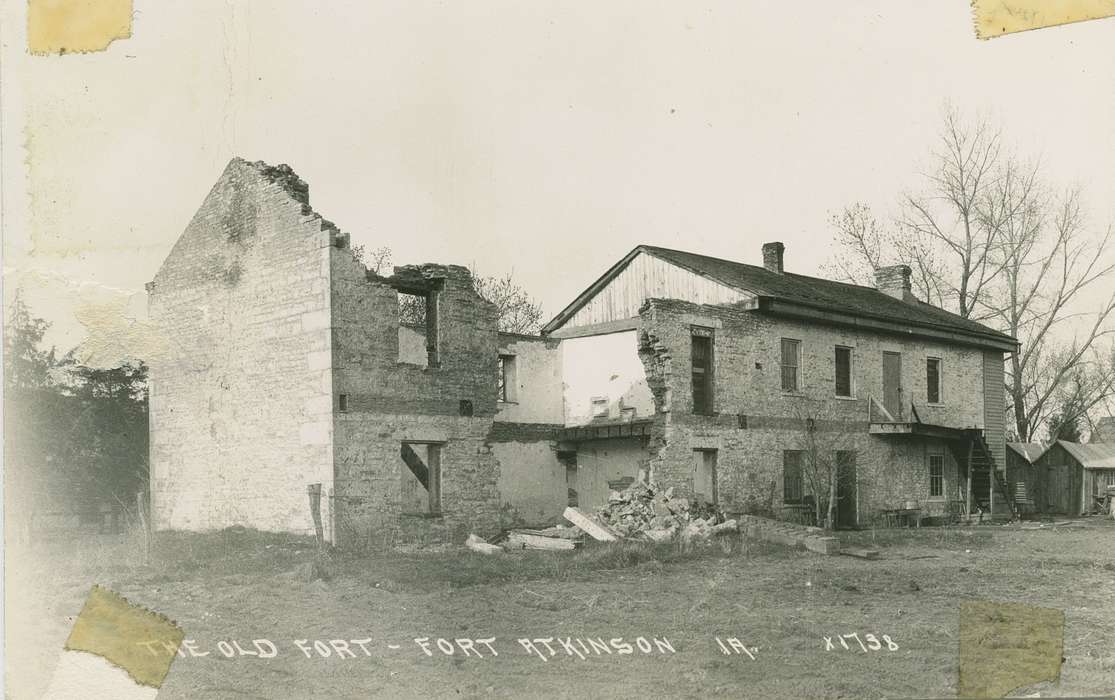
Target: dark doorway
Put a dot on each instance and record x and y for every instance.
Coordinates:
(1061, 487)
(846, 513)
(892, 384)
(701, 356)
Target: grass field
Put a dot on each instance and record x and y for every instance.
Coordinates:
(240, 586)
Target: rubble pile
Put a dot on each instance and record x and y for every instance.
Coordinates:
(646, 511)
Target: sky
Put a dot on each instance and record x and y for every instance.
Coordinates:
(545, 139)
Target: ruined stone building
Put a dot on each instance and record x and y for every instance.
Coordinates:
(286, 365)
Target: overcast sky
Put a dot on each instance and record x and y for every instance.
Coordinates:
(546, 139)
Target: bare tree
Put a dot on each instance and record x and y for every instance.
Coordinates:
(516, 311)
(822, 441)
(944, 222)
(377, 260)
(991, 241)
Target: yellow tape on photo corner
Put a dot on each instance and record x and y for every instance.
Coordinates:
(997, 17)
(139, 641)
(76, 26)
(1007, 646)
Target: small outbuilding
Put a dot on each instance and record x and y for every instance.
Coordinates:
(1074, 477)
(1021, 476)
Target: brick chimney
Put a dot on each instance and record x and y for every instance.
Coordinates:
(1104, 430)
(772, 256)
(894, 281)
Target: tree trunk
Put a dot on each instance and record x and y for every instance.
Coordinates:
(832, 499)
(1018, 400)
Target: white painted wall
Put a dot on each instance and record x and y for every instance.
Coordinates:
(604, 366)
(537, 393)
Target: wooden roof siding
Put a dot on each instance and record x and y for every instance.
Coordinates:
(751, 281)
(1091, 456)
(1028, 451)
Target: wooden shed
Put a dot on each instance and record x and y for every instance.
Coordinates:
(1076, 476)
(1022, 478)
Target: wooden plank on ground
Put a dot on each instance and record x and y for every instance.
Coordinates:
(523, 540)
(593, 527)
(861, 553)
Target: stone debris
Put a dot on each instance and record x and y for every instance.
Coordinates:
(646, 511)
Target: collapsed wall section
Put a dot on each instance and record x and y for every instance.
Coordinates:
(240, 394)
(411, 456)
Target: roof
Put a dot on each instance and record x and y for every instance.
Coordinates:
(1029, 451)
(802, 290)
(1099, 455)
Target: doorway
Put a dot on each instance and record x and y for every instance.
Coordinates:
(892, 384)
(847, 515)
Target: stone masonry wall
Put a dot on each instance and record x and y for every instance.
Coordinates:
(240, 394)
(389, 402)
(755, 421)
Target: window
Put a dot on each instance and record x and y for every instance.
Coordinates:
(791, 365)
(419, 337)
(342, 403)
(599, 406)
(704, 475)
(843, 371)
(701, 361)
(506, 380)
(936, 476)
(791, 476)
(933, 380)
(420, 473)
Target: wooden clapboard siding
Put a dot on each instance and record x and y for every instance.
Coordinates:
(995, 407)
(644, 277)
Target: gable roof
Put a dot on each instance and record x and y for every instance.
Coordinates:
(813, 292)
(1093, 455)
(1029, 451)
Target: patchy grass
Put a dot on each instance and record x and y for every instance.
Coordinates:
(243, 585)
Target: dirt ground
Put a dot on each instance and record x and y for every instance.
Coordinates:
(779, 604)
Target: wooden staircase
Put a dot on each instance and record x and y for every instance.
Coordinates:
(987, 480)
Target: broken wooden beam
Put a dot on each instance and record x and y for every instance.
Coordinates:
(590, 525)
(477, 544)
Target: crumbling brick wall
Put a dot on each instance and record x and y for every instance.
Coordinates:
(754, 422)
(390, 402)
(240, 391)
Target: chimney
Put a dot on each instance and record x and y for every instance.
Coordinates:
(1104, 431)
(772, 256)
(894, 281)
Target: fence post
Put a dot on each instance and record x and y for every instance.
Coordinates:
(315, 511)
(145, 523)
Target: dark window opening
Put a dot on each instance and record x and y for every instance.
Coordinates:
(702, 369)
(342, 403)
(933, 380)
(506, 379)
(843, 372)
(420, 478)
(792, 491)
(791, 361)
(419, 340)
